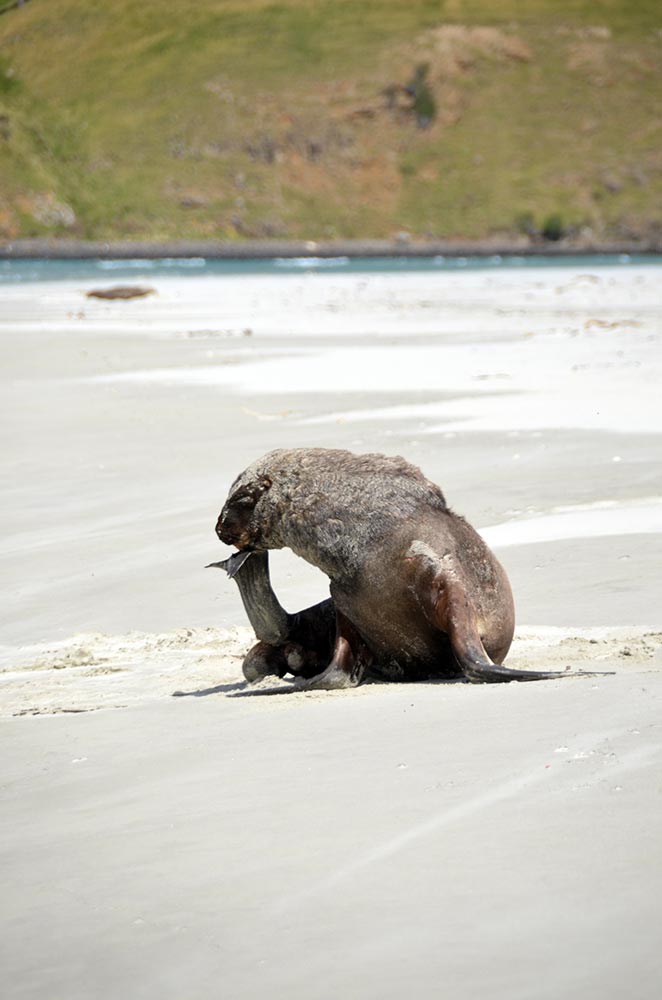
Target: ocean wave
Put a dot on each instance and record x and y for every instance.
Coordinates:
(119, 265)
(311, 262)
(183, 262)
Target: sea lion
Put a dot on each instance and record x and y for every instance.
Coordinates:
(415, 591)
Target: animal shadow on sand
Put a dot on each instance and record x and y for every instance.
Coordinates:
(242, 689)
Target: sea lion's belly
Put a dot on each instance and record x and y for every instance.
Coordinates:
(393, 626)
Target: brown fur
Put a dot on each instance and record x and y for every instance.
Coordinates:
(416, 591)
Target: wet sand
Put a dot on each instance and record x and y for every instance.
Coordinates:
(170, 832)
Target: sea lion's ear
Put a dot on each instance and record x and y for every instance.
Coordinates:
(249, 494)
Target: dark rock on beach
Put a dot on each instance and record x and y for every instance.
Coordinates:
(121, 292)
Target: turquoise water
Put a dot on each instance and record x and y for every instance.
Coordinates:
(59, 270)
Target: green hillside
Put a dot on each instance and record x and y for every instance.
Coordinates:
(234, 119)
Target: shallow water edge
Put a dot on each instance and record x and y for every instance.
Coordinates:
(127, 261)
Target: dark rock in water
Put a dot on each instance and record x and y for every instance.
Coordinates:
(121, 292)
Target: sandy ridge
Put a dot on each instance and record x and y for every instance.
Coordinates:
(93, 671)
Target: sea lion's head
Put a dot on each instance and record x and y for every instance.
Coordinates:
(240, 522)
(257, 501)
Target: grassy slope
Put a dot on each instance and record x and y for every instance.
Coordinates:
(232, 118)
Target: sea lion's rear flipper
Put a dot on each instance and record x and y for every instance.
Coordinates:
(233, 564)
(349, 661)
(299, 644)
(263, 660)
(250, 570)
(306, 651)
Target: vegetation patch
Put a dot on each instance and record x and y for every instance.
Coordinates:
(351, 118)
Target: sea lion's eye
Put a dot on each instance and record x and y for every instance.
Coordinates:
(248, 496)
(244, 497)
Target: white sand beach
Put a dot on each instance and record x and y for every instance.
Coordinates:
(169, 831)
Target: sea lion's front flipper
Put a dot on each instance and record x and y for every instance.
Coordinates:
(442, 594)
(477, 666)
(455, 615)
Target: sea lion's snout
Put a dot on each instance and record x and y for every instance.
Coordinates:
(233, 529)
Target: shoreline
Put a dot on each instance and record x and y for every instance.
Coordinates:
(49, 249)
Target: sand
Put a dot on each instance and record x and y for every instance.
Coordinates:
(170, 832)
